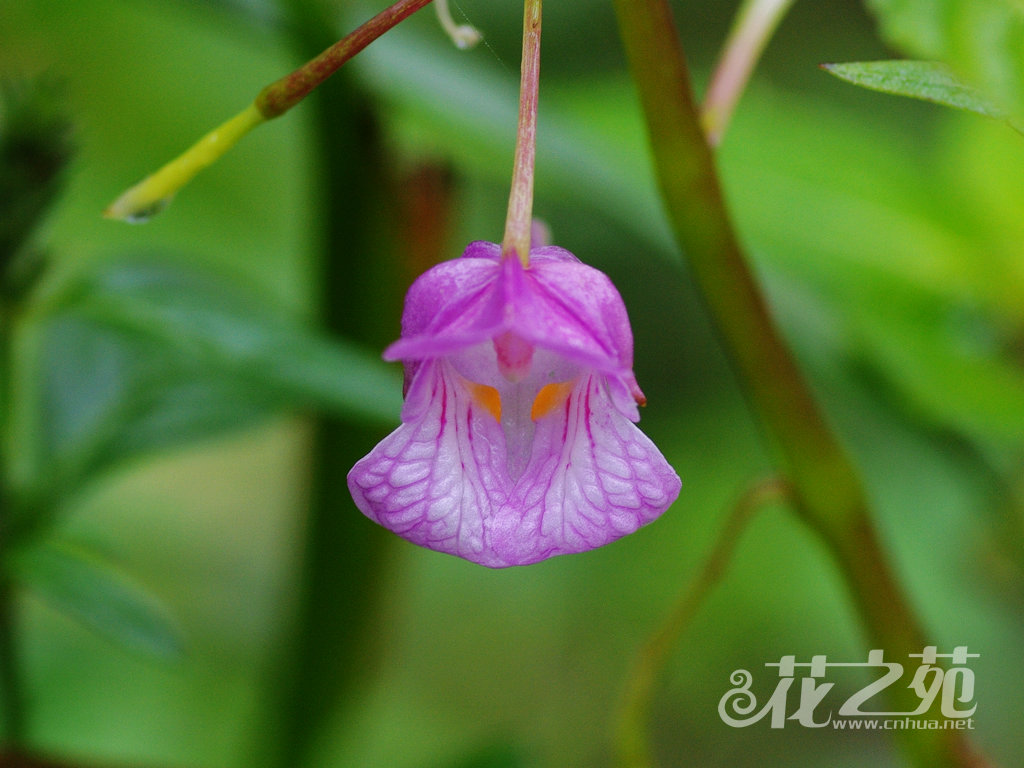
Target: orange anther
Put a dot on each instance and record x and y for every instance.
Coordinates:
(550, 397)
(487, 397)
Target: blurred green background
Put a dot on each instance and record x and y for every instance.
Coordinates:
(888, 236)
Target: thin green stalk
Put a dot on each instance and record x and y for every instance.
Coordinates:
(632, 740)
(826, 487)
(155, 192)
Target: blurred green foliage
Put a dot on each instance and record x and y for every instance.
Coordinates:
(35, 146)
(163, 376)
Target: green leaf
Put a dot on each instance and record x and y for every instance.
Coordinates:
(926, 80)
(981, 40)
(92, 590)
(211, 321)
(149, 355)
(110, 395)
(94, 396)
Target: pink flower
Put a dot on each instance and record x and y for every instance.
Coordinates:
(517, 440)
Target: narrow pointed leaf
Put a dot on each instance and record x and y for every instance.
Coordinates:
(96, 593)
(981, 39)
(926, 80)
(216, 323)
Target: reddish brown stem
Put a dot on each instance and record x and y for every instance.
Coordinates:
(277, 98)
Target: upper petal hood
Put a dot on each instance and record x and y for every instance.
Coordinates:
(556, 303)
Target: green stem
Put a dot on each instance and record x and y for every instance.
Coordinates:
(328, 650)
(519, 220)
(154, 193)
(12, 702)
(632, 742)
(826, 487)
(11, 697)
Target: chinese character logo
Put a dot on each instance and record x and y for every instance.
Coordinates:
(952, 690)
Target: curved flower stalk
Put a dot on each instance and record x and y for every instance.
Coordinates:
(154, 193)
(517, 441)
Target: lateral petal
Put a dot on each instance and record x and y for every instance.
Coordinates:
(593, 477)
(436, 479)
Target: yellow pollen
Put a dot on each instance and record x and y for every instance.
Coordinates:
(550, 397)
(487, 397)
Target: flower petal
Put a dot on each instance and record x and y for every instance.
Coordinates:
(557, 303)
(436, 479)
(452, 305)
(441, 480)
(517, 440)
(593, 477)
(573, 310)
